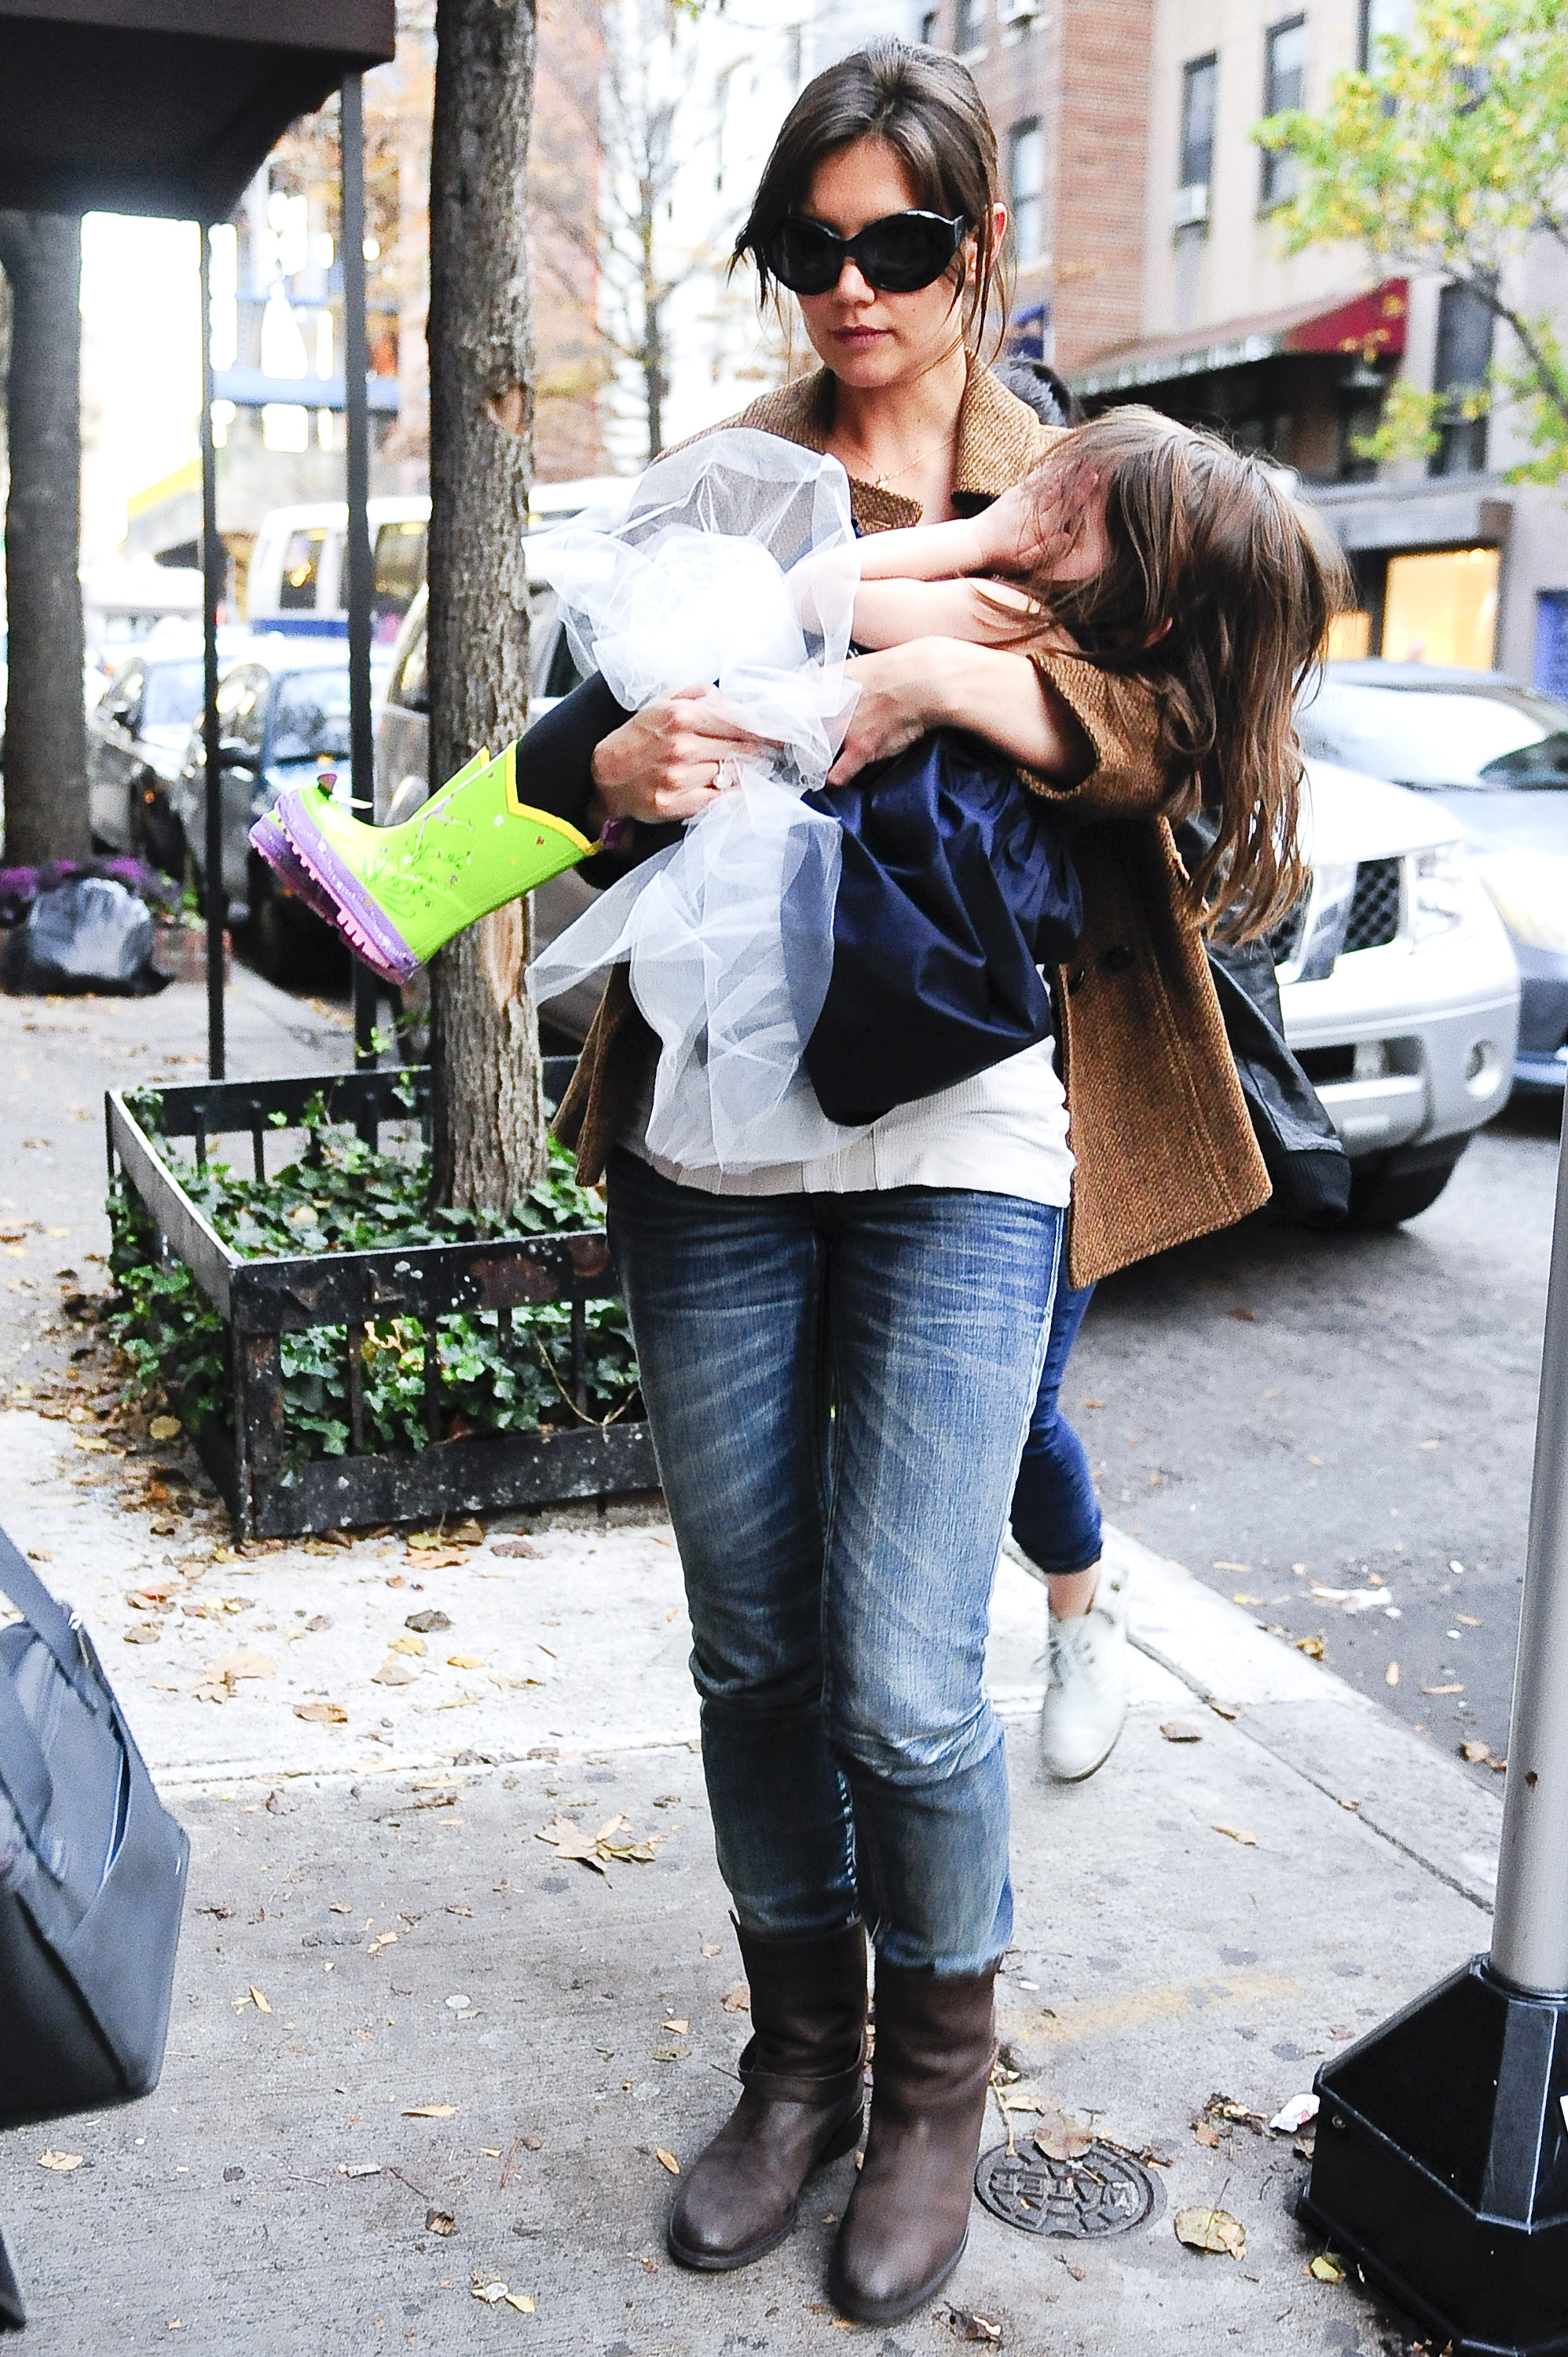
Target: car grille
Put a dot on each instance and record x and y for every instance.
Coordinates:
(1374, 917)
(1286, 938)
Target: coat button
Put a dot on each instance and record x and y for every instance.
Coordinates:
(1075, 980)
(1117, 959)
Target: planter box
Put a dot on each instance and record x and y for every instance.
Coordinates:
(260, 1300)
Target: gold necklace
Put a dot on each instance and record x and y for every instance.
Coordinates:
(897, 474)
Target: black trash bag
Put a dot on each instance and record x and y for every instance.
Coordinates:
(90, 934)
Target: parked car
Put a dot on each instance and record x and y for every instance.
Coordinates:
(1399, 987)
(1493, 755)
(284, 716)
(137, 733)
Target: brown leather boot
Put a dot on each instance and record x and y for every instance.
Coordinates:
(908, 2219)
(801, 2101)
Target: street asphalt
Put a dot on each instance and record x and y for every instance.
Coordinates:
(419, 2052)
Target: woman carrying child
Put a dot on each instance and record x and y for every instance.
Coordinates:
(839, 1360)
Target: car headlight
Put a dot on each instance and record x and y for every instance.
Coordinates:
(1442, 892)
(1531, 889)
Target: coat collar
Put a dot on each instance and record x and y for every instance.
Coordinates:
(999, 440)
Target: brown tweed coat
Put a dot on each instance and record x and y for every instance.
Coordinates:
(1163, 1146)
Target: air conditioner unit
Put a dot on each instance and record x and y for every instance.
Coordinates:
(1017, 12)
(1191, 205)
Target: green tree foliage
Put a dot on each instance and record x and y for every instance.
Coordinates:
(1448, 156)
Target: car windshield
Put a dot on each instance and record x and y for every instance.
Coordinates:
(310, 716)
(1488, 738)
(172, 697)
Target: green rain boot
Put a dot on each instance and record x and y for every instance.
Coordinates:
(400, 892)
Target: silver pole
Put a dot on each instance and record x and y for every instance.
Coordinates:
(1530, 1930)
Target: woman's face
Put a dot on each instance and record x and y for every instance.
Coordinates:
(869, 339)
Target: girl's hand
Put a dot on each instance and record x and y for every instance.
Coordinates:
(1036, 527)
(670, 759)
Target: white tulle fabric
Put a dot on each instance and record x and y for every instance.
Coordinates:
(736, 564)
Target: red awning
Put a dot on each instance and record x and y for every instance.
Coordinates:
(1371, 325)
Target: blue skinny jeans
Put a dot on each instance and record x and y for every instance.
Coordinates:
(839, 1388)
(1055, 1515)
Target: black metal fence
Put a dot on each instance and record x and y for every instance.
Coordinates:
(260, 1300)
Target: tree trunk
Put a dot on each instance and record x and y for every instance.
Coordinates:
(47, 810)
(490, 1117)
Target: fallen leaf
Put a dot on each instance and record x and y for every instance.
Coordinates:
(1441, 1690)
(678, 2026)
(1211, 2230)
(1248, 1316)
(1207, 2133)
(522, 2300)
(1224, 1709)
(319, 1621)
(1391, 1674)
(513, 1547)
(468, 1533)
(278, 1805)
(1327, 2266)
(322, 1713)
(1181, 1730)
(258, 2000)
(1222, 1565)
(968, 2326)
(571, 1841)
(439, 2221)
(424, 1623)
(164, 1427)
(1059, 2138)
(62, 2163)
(244, 1665)
(414, 1645)
(142, 1632)
(465, 1661)
(394, 1672)
(1466, 1621)
(737, 2000)
(492, 2291)
(341, 1907)
(1234, 1833)
(667, 2160)
(360, 2167)
(1242, 1596)
(1314, 1460)
(1474, 1752)
(710, 1948)
(431, 2112)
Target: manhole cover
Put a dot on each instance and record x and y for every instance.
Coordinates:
(1102, 2191)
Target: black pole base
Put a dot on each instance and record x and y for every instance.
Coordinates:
(12, 2314)
(1442, 2164)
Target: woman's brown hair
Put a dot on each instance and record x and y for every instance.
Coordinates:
(1217, 592)
(924, 106)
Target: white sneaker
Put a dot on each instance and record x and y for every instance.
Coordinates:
(1086, 1694)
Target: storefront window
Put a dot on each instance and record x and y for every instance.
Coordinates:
(1442, 608)
(1349, 638)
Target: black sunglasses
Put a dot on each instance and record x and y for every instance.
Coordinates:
(896, 256)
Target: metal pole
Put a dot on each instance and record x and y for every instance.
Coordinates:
(214, 569)
(1530, 1929)
(356, 412)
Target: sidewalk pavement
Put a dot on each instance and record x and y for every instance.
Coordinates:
(396, 2007)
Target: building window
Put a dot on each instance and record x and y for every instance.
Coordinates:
(1200, 88)
(931, 28)
(1378, 18)
(1285, 87)
(1442, 608)
(968, 24)
(1464, 358)
(1026, 184)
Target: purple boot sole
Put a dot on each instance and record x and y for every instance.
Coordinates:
(371, 935)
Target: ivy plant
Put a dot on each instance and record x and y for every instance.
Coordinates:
(344, 1196)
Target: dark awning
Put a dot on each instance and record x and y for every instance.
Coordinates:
(1370, 326)
(164, 106)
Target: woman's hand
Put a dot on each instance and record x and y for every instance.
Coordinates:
(894, 707)
(992, 691)
(670, 759)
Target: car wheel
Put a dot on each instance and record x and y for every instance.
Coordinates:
(1382, 1198)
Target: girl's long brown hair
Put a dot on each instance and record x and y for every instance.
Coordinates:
(1217, 592)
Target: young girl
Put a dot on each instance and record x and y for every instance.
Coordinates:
(1156, 553)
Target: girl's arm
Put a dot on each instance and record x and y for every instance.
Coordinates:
(1000, 696)
(1025, 531)
(890, 613)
